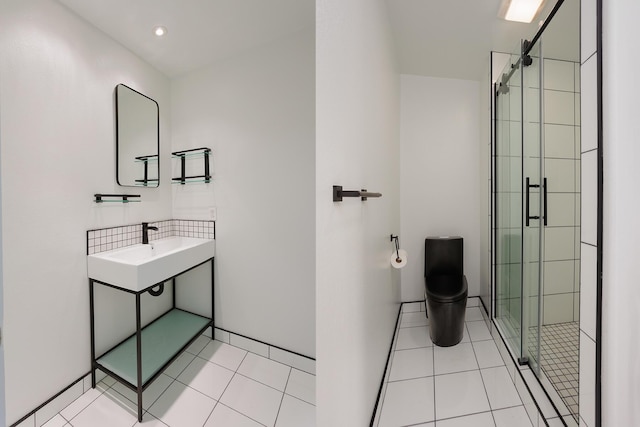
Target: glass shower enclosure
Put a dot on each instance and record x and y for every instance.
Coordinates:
(536, 194)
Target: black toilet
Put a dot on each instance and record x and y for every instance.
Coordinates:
(445, 289)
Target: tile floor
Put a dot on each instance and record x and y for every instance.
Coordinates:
(559, 354)
(464, 385)
(212, 384)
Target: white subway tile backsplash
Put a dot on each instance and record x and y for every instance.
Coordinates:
(589, 196)
(559, 75)
(589, 104)
(559, 107)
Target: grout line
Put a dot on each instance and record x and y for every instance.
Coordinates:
(282, 398)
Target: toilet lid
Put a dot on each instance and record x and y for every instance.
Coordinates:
(446, 288)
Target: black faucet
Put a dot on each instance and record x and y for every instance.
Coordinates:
(145, 232)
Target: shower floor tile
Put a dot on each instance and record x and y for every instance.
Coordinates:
(457, 386)
(212, 385)
(559, 357)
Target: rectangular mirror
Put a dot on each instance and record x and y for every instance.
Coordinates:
(137, 139)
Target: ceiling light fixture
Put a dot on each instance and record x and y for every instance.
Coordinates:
(160, 31)
(520, 10)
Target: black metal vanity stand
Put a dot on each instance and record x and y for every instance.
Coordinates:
(164, 340)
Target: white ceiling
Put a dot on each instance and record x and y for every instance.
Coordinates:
(199, 31)
(447, 38)
(453, 38)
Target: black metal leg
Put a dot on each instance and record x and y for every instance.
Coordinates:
(93, 335)
(139, 356)
(213, 316)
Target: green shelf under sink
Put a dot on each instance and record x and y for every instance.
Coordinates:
(161, 340)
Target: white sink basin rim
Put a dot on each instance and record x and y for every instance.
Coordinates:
(140, 266)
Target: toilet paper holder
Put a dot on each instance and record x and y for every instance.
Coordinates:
(392, 238)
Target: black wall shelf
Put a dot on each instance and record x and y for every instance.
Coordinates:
(182, 155)
(153, 158)
(117, 198)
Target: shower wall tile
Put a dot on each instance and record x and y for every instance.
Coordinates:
(576, 306)
(559, 141)
(559, 107)
(558, 244)
(576, 81)
(588, 14)
(587, 380)
(589, 106)
(589, 197)
(558, 308)
(577, 109)
(561, 209)
(558, 277)
(588, 290)
(560, 175)
(559, 75)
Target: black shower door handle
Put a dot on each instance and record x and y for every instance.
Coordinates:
(545, 201)
(526, 209)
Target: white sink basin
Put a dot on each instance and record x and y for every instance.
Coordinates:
(140, 266)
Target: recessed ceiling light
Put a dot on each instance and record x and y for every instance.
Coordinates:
(520, 10)
(160, 31)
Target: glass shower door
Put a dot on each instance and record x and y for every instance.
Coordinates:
(533, 215)
(508, 200)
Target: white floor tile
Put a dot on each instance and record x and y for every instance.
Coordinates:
(223, 354)
(265, 371)
(478, 331)
(57, 421)
(253, 399)
(473, 314)
(512, 417)
(179, 364)
(49, 410)
(296, 413)
(414, 337)
(454, 359)
(302, 386)
(408, 402)
(501, 391)
(460, 394)
(197, 346)
(206, 377)
(294, 360)
(149, 420)
(484, 419)
(112, 410)
(150, 395)
(417, 318)
(249, 344)
(487, 354)
(224, 416)
(415, 363)
(83, 401)
(411, 307)
(182, 406)
(29, 422)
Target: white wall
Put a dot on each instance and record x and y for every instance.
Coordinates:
(357, 146)
(440, 173)
(57, 77)
(257, 113)
(621, 299)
